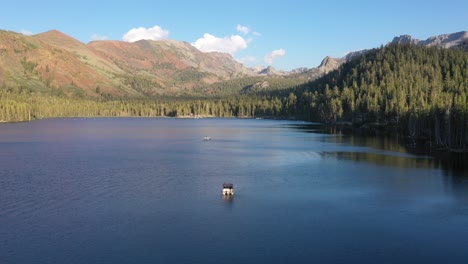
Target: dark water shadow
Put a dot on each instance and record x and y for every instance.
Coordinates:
(391, 149)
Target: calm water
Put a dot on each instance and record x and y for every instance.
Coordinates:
(149, 191)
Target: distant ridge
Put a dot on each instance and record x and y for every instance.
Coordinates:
(328, 64)
(56, 62)
(454, 40)
(443, 41)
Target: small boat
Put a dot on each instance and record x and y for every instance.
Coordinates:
(206, 138)
(228, 189)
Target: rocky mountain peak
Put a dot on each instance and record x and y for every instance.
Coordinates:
(270, 71)
(299, 70)
(58, 38)
(326, 61)
(447, 40)
(329, 64)
(405, 39)
(443, 41)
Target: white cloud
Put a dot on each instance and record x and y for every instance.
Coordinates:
(26, 32)
(243, 29)
(247, 59)
(154, 33)
(255, 33)
(99, 37)
(229, 45)
(269, 58)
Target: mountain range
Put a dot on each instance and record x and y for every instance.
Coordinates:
(54, 62)
(454, 40)
(458, 39)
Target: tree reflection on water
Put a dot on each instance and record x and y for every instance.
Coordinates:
(388, 150)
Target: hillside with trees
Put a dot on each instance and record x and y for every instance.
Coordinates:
(55, 63)
(419, 91)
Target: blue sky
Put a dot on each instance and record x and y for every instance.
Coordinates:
(284, 34)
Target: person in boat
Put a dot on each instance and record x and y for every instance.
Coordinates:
(228, 189)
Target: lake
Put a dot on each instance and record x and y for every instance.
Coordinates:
(147, 190)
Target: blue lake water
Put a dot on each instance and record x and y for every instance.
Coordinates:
(145, 190)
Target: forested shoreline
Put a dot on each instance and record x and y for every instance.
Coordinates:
(420, 92)
(25, 107)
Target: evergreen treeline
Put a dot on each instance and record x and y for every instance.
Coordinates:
(24, 107)
(423, 91)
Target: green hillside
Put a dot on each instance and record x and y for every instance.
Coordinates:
(422, 91)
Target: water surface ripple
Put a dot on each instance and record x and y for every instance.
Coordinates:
(123, 190)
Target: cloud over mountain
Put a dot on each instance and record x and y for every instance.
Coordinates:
(99, 37)
(247, 59)
(26, 32)
(243, 29)
(154, 33)
(269, 58)
(229, 45)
